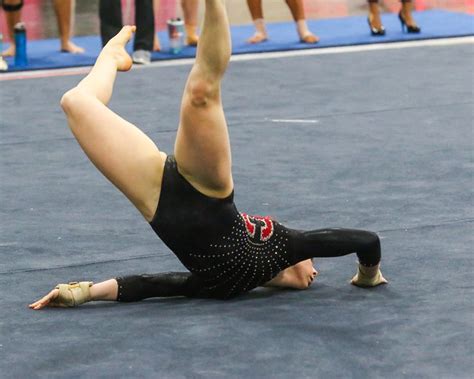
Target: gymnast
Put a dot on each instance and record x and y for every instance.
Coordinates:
(188, 197)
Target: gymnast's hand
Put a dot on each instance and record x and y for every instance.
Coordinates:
(65, 296)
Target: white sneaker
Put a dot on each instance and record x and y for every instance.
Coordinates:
(3, 64)
(141, 57)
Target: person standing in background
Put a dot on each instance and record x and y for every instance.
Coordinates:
(110, 14)
(64, 10)
(405, 17)
(190, 14)
(297, 11)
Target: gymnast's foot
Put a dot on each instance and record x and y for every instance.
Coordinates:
(71, 47)
(116, 48)
(368, 277)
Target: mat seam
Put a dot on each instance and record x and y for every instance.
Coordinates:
(260, 121)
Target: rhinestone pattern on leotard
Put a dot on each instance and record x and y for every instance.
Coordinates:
(247, 258)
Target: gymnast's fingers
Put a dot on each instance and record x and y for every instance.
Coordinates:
(45, 300)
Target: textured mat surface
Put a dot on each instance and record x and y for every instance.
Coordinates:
(386, 152)
(345, 31)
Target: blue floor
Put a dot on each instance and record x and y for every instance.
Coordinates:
(387, 152)
(45, 54)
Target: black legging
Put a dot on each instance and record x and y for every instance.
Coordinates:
(322, 243)
(335, 242)
(110, 14)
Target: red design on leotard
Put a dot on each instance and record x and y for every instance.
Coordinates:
(266, 226)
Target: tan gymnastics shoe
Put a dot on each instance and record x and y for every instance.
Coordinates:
(72, 294)
(368, 277)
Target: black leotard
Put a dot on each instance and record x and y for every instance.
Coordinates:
(227, 252)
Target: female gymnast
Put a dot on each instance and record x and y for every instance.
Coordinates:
(188, 197)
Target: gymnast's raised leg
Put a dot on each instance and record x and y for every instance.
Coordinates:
(202, 146)
(123, 153)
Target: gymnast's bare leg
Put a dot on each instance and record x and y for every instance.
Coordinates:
(124, 154)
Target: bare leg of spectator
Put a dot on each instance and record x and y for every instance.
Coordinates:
(256, 11)
(64, 14)
(190, 12)
(375, 22)
(297, 11)
(156, 40)
(12, 16)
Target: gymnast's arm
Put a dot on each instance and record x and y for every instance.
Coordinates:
(124, 289)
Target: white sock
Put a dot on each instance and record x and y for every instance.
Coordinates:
(260, 26)
(302, 28)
